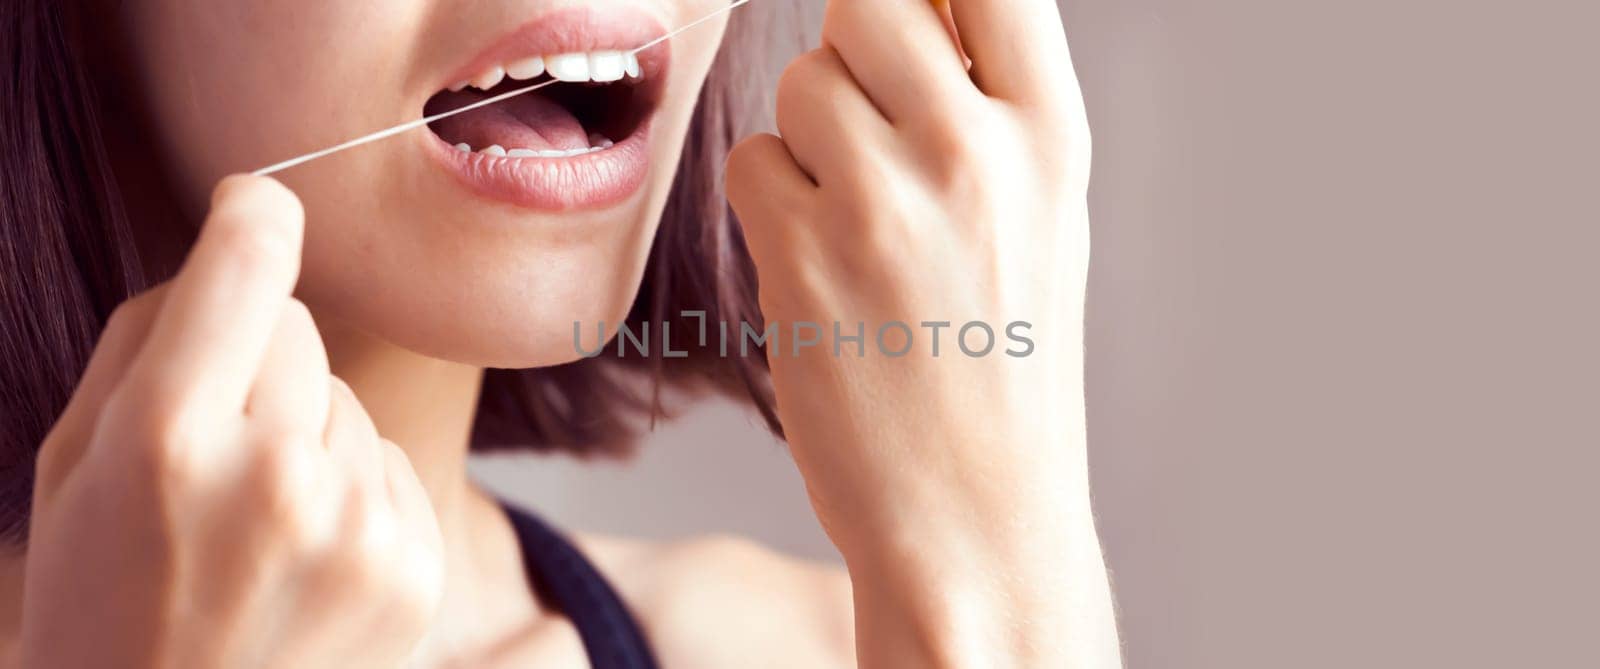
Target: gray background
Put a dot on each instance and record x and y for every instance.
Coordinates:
(1343, 379)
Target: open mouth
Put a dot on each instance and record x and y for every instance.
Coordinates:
(603, 97)
(581, 142)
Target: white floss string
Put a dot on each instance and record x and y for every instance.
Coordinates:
(411, 125)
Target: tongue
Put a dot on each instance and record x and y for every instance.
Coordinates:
(529, 121)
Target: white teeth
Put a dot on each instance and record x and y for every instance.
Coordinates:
(606, 65)
(599, 142)
(597, 66)
(489, 79)
(526, 68)
(568, 66)
(500, 152)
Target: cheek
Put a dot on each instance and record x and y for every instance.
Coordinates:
(236, 84)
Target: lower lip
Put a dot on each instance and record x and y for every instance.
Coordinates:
(590, 181)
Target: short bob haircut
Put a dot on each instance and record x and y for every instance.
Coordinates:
(67, 258)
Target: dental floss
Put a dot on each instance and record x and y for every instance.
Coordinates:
(411, 125)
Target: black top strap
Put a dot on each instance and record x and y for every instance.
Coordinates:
(563, 577)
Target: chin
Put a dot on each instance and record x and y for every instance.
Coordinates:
(490, 320)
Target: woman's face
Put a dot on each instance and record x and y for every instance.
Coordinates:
(468, 256)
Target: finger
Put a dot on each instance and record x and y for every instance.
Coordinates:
(208, 341)
(900, 52)
(291, 392)
(414, 509)
(120, 340)
(825, 119)
(949, 22)
(404, 487)
(766, 188)
(1018, 48)
(351, 437)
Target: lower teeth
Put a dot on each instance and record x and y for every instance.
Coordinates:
(599, 144)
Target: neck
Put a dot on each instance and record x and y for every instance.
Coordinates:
(426, 407)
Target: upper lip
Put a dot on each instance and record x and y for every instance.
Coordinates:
(573, 30)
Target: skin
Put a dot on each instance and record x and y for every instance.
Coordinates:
(284, 368)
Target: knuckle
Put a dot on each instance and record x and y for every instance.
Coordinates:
(255, 197)
(158, 428)
(341, 393)
(125, 318)
(296, 323)
(872, 176)
(748, 167)
(255, 249)
(52, 457)
(790, 100)
(734, 179)
(964, 174)
(363, 559)
(797, 86)
(736, 168)
(1062, 132)
(873, 198)
(397, 469)
(813, 64)
(791, 80)
(297, 315)
(248, 250)
(131, 316)
(299, 359)
(277, 486)
(169, 461)
(1063, 139)
(121, 321)
(749, 153)
(350, 421)
(256, 220)
(962, 133)
(161, 439)
(178, 465)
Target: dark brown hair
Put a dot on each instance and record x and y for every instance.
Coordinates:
(67, 258)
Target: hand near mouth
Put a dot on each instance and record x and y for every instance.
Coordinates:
(906, 188)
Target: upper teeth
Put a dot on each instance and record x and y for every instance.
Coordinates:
(601, 66)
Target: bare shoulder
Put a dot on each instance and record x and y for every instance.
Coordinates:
(729, 602)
